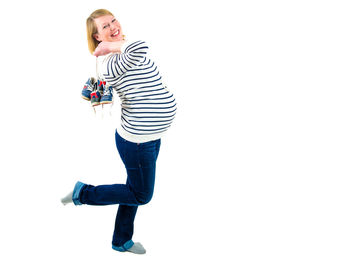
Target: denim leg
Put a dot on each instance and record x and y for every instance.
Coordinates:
(107, 195)
(124, 225)
(140, 163)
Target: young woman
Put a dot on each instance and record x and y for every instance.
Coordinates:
(147, 111)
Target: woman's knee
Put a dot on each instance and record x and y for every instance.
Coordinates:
(144, 198)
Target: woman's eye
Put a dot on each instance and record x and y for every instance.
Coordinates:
(104, 27)
(114, 20)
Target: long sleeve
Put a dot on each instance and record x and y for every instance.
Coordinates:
(133, 55)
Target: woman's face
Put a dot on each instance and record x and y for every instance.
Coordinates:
(108, 29)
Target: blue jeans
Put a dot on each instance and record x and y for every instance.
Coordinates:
(140, 163)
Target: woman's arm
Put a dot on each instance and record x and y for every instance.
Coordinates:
(107, 47)
(127, 56)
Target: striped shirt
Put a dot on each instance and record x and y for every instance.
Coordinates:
(147, 106)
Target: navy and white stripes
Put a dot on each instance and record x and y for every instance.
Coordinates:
(148, 108)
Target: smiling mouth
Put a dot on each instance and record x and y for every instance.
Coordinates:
(115, 34)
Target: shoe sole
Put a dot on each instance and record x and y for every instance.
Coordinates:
(105, 102)
(85, 98)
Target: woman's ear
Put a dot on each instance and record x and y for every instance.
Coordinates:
(97, 37)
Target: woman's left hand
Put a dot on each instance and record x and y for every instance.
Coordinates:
(107, 47)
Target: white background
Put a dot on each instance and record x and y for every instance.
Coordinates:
(256, 164)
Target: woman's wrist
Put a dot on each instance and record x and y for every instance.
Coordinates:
(105, 48)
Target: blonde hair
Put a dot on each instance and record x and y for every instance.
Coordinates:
(91, 28)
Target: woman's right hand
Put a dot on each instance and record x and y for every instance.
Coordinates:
(108, 47)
